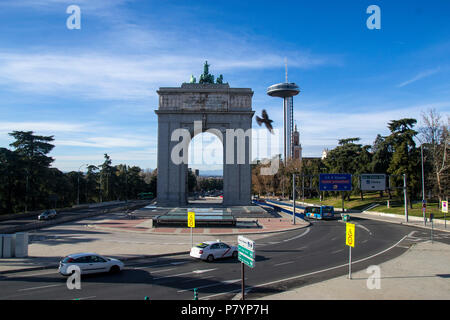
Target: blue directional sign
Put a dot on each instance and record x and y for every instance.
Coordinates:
(335, 182)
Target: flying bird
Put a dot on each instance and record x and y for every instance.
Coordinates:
(265, 119)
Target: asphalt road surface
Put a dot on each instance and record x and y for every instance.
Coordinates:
(23, 221)
(285, 260)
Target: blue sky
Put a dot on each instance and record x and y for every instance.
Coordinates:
(94, 89)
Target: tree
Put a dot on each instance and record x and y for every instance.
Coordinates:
(435, 139)
(405, 157)
(33, 150)
(12, 175)
(349, 157)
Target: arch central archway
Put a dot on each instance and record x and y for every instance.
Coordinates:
(195, 108)
(205, 154)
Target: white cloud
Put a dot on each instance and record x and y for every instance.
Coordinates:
(107, 142)
(44, 127)
(419, 76)
(121, 77)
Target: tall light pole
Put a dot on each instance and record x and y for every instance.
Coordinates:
(406, 197)
(423, 187)
(78, 192)
(293, 198)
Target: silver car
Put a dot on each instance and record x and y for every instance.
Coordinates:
(47, 214)
(89, 263)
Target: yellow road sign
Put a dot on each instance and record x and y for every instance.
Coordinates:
(191, 219)
(350, 235)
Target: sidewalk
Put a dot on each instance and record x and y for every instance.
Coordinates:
(400, 219)
(423, 272)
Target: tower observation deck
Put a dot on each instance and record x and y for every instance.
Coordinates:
(286, 91)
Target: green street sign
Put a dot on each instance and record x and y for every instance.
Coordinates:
(246, 260)
(247, 252)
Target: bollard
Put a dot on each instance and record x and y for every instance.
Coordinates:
(195, 294)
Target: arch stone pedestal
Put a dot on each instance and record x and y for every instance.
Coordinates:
(224, 111)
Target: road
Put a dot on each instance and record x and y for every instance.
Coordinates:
(283, 261)
(29, 220)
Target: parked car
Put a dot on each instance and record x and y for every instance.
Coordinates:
(89, 263)
(47, 214)
(211, 250)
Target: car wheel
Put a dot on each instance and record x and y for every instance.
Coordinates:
(210, 258)
(114, 269)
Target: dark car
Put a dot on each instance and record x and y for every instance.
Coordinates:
(47, 214)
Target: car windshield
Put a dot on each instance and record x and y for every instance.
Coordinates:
(327, 209)
(202, 245)
(67, 259)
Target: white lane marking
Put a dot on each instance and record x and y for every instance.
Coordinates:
(156, 271)
(161, 265)
(41, 287)
(300, 235)
(283, 263)
(91, 297)
(184, 273)
(337, 251)
(211, 285)
(311, 273)
(363, 227)
(411, 234)
(20, 275)
(195, 279)
(202, 271)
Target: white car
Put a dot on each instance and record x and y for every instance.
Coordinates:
(211, 250)
(89, 263)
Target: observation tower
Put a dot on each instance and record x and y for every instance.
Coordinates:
(287, 91)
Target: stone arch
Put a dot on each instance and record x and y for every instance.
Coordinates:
(195, 108)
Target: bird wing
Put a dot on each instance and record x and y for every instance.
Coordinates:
(259, 121)
(264, 114)
(269, 126)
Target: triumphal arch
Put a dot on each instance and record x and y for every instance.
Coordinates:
(204, 106)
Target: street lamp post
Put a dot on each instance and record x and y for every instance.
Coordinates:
(423, 187)
(293, 198)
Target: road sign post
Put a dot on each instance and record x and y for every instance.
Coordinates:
(431, 220)
(406, 197)
(246, 254)
(444, 209)
(191, 224)
(293, 198)
(336, 182)
(350, 242)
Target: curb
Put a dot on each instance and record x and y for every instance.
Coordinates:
(409, 224)
(205, 234)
